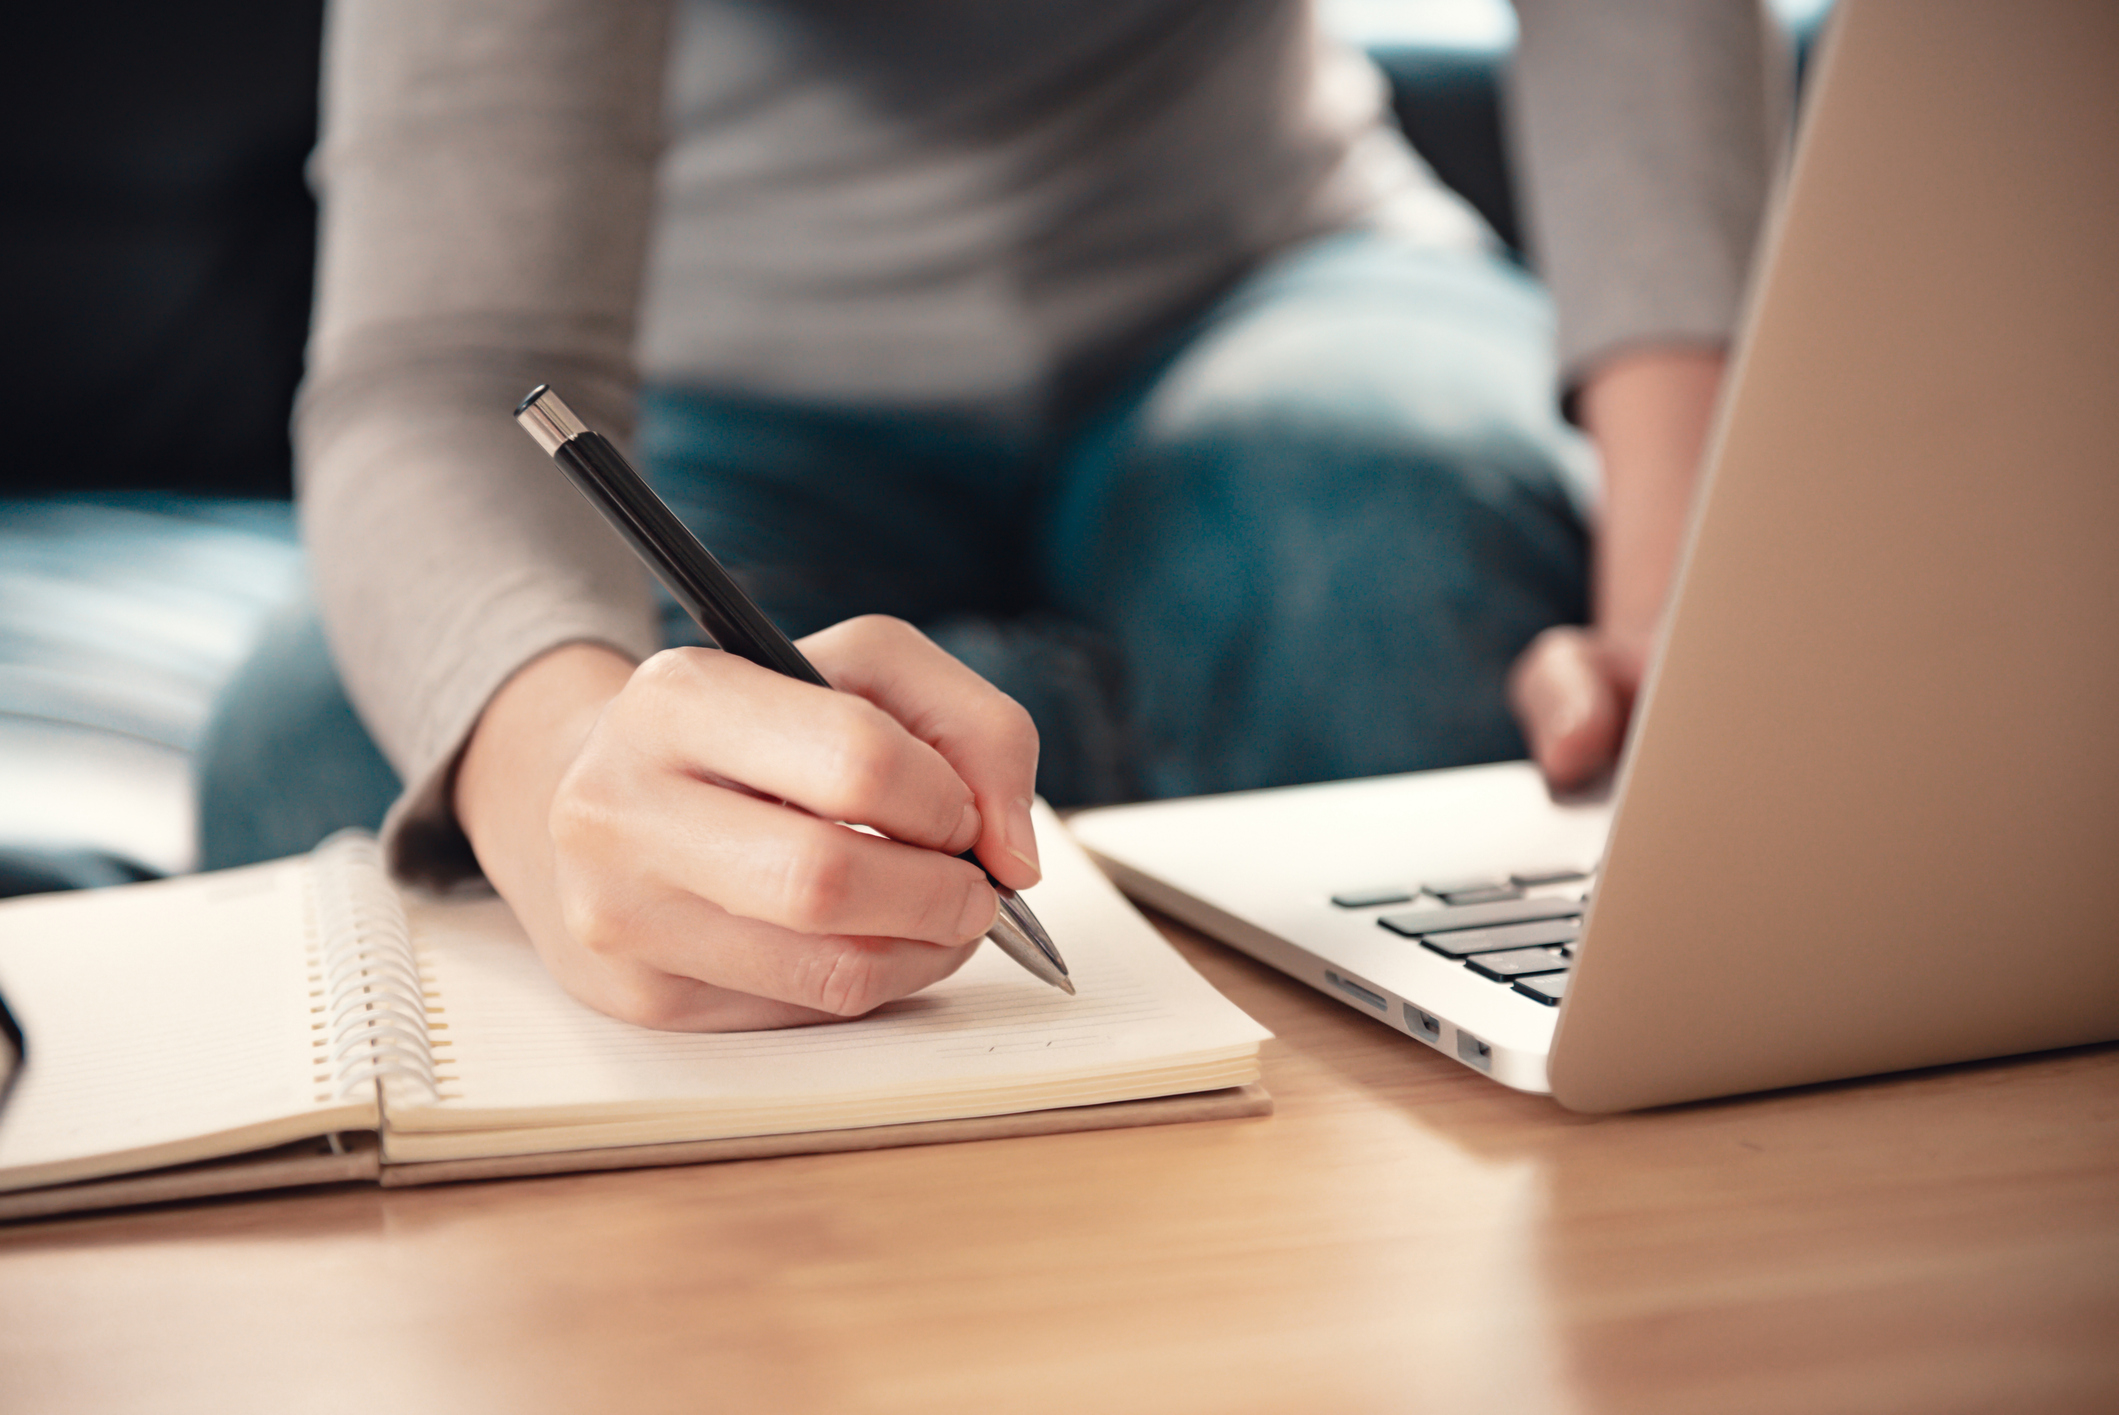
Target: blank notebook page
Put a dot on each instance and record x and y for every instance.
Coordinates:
(518, 1055)
(171, 1022)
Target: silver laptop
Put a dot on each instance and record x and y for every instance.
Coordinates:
(1872, 794)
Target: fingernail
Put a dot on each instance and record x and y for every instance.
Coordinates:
(981, 907)
(1021, 838)
(968, 826)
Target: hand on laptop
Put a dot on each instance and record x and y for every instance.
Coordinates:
(1572, 696)
(1648, 411)
(667, 833)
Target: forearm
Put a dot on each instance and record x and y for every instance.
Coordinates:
(1648, 412)
(486, 173)
(1647, 132)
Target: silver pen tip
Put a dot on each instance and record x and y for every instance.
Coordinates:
(1019, 934)
(1019, 914)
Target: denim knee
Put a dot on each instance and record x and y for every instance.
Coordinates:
(1322, 532)
(1294, 607)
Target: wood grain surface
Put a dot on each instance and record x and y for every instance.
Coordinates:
(1400, 1235)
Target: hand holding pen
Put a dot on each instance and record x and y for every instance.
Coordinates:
(634, 819)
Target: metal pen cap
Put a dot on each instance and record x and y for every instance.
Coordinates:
(548, 420)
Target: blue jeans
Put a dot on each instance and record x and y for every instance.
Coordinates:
(1303, 543)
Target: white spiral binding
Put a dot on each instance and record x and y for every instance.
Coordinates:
(364, 977)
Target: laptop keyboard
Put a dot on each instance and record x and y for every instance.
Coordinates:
(1518, 930)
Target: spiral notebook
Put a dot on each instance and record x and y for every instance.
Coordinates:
(304, 1022)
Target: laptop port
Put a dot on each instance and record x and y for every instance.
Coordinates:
(1474, 1051)
(1425, 1025)
(1353, 989)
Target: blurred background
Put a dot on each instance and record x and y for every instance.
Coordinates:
(155, 259)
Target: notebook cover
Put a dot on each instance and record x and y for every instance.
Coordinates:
(284, 1167)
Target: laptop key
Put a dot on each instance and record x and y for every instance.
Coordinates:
(1531, 879)
(1479, 889)
(1548, 988)
(1419, 923)
(1517, 963)
(1545, 933)
(1372, 898)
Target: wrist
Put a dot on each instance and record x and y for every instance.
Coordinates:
(520, 749)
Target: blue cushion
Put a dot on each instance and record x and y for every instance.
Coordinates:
(121, 616)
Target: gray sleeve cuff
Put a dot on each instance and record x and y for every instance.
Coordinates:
(1647, 134)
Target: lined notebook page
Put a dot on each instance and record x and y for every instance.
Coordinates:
(516, 1052)
(167, 1022)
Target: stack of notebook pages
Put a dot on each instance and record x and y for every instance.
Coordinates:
(305, 1022)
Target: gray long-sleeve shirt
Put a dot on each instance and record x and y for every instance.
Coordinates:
(931, 203)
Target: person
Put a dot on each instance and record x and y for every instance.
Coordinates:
(1123, 349)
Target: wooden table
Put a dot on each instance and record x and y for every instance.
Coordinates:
(1401, 1235)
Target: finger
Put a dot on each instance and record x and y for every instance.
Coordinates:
(1572, 714)
(984, 735)
(761, 860)
(1624, 661)
(834, 754)
(683, 964)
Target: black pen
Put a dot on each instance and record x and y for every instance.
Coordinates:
(724, 611)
